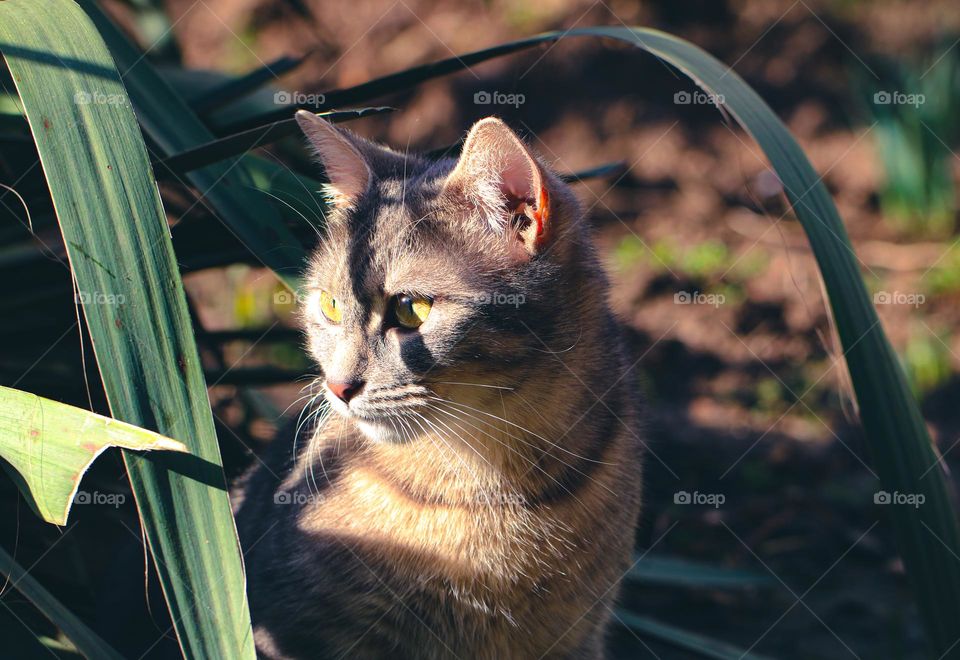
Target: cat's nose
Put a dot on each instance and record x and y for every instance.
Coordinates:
(345, 390)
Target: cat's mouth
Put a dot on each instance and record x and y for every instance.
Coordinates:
(386, 414)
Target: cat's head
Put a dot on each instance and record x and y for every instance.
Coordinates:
(442, 286)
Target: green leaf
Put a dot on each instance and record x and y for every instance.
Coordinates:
(51, 445)
(232, 89)
(170, 123)
(684, 639)
(683, 573)
(598, 172)
(239, 143)
(394, 82)
(86, 641)
(118, 242)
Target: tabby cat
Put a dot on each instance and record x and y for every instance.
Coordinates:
(474, 490)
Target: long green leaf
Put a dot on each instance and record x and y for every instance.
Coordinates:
(174, 128)
(928, 537)
(235, 88)
(684, 573)
(684, 639)
(87, 642)
(120, 252)
(50, 445)
(239, 143)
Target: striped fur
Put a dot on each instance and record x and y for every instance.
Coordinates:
(476, 499)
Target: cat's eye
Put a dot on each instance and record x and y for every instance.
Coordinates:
(330, 307)
(411, 311)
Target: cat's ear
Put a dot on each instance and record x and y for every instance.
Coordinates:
(346, 168)
(500, 180)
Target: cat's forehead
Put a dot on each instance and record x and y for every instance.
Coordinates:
(396, 240)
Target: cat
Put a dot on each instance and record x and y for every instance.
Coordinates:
(474, 489)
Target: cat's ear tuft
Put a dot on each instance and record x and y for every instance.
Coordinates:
(348, 172)
(499, 178)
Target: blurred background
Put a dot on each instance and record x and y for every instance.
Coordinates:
(757, 463)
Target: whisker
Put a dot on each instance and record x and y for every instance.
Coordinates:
(521, 428)
(419, 417)
(563, 350)
(532, 463)
(494, 387)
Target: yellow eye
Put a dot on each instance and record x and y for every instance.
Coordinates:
(330, 307)
(411, 311)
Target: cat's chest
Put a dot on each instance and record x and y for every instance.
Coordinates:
(496, 547)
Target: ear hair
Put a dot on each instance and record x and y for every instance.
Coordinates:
(500, 180)
(347, 170)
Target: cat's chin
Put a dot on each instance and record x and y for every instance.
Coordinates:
(381, 431)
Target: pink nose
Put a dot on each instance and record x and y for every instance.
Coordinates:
(345, 391)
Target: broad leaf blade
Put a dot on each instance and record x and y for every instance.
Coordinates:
(51, 445)
(119, 246)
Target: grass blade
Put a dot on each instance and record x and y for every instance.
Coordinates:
(683, 573)
(684, 639)
(87, 642)
(235, 145)
(235, 88)
(388, 84)
(119, 246)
